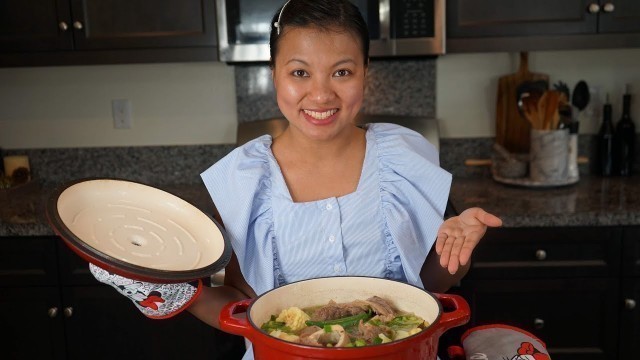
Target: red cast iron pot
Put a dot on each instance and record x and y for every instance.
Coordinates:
(408, 298)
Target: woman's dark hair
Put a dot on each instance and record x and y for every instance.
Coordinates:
(324, 14)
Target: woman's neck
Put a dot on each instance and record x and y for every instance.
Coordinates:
(316, 170)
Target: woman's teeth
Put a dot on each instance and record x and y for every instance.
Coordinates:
(320, 115)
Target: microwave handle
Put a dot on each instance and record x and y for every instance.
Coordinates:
(385, 19)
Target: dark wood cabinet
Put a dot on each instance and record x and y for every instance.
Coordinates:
(468, 18)
(630, 299)
(50, 32)
(504, 25)
(619, 16)
(56, 303)
(561, 284)
(32, 316)
(34, 26)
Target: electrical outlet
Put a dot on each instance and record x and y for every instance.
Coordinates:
(121, 111)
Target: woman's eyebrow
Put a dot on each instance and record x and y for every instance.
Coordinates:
(296, 61)
(338, 63)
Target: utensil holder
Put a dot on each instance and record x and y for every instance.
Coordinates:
(549, 153)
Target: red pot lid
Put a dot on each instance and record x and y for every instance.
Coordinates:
(137, 231)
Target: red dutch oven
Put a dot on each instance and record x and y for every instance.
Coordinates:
(404, 297)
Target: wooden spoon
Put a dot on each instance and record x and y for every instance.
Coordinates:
(530, 105)
(542, 111)
(553, 101)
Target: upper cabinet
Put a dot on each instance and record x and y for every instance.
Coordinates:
(508, 25)
(51, 32)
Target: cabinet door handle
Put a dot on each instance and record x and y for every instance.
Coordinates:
(52, 312)
(68, 311)
(608, 7)
(77, 25)
(629, 304)
(538, 323)
(593, 8)
(541, 254)
(63, 26)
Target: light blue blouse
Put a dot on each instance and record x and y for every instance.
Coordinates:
(383, 229)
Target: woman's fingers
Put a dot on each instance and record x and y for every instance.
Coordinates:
(440, 240)
(445, 251)
(455, 251)
(454, 258)
(472, 239)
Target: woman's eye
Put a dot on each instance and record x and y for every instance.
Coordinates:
(299, 73)
(342, 72)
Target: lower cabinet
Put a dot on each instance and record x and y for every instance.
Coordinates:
(576, 318)
(73, 316)
(33, 327)
(564, 285)
(630, 298)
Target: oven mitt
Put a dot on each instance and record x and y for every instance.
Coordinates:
(499, 341)
(157, 301)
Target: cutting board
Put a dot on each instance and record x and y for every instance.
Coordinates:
(512, 129)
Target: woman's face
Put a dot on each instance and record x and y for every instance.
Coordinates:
(319, 80)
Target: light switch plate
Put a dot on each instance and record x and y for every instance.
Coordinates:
(122, 114)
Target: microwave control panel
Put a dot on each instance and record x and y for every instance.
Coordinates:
(412, 18)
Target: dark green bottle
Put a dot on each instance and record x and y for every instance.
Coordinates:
(625, 139)
(605, 142)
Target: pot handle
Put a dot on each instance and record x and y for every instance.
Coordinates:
(459, 316)
(232, 324)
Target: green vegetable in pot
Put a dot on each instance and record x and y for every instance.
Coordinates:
(272, 325)
(405, 322)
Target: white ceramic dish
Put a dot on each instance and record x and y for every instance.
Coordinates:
(138, 231)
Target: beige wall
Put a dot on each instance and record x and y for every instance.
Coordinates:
(194, 103)
(467, 84)
(173, 104)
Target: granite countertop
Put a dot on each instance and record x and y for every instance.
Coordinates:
(593, 201)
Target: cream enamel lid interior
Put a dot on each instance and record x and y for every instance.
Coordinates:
(140, 225)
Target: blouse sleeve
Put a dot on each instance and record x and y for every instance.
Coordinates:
(414, 192)
(240, 187)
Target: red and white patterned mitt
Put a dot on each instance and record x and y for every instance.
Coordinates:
(157, 301)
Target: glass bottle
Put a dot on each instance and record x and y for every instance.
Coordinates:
(605, 142)
(624, 139)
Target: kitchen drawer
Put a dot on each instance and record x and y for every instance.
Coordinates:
(28, 261)
(547, 253)
(574, 317)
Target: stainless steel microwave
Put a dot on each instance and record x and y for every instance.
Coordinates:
(396, 27)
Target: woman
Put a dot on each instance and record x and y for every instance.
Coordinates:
(326, 198)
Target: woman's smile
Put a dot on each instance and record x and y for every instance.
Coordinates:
(319, 117)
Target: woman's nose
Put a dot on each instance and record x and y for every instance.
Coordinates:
(322, 91)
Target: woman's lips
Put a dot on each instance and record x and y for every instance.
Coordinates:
(320, 117)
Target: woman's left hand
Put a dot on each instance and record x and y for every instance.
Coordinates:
(459, 235)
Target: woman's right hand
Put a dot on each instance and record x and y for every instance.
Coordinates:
(157, 301)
